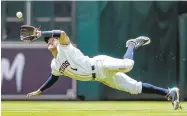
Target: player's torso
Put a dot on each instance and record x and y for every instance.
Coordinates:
(72, 63)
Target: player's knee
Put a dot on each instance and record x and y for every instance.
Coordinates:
(133, 88)
(127, 84)
(137, 88)
(129, 64)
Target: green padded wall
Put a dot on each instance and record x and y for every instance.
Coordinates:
(87, 22)
(183, 55)
(155, 63)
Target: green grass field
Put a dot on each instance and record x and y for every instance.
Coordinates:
(77, 108)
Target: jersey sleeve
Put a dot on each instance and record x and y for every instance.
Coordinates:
(53, 70)
(65, 44)
(63, 48)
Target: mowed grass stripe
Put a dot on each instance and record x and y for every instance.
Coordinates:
(119, 108)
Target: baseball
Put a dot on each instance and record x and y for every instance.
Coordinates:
(19, 14)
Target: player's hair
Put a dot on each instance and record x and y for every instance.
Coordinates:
(46, 39)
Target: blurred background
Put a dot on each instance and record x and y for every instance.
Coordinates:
(96, 27)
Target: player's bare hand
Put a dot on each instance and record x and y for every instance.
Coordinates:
(35, 93)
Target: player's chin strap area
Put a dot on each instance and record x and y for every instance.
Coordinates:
(93, 72)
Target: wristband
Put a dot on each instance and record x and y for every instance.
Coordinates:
(56, 33)
(53, 33)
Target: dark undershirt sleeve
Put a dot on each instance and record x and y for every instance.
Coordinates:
(50, 81)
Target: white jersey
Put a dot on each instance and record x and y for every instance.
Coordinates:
(71, 62)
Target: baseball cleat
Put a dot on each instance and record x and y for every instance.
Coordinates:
(173, 95)
(139, 41)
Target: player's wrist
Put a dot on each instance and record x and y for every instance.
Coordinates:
(53, 33)
(38, 33)
(39, 91)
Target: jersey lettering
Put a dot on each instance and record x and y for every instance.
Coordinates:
(64, 66)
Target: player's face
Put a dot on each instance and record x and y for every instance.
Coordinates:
(52, 44)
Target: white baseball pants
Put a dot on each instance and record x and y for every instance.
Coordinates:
(111, 72)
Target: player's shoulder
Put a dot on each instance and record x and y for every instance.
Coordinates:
(64, 47)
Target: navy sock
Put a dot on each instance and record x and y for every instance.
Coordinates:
(130, 52)
(148, 88)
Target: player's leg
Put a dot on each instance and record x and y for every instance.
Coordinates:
(123, 82)
(127, 63)
(151, 89)
(118, 65)
(171, 94)
(121, 65)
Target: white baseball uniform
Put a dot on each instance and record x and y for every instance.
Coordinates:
(71, 62)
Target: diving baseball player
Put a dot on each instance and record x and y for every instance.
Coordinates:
(70, 61)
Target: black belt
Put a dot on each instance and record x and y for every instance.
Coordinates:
(93, 74)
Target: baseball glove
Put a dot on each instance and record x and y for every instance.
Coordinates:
(28, 33)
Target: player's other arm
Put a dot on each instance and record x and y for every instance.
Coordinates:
(63, 38)
(50, 81)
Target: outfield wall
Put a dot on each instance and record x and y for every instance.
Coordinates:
(183, 55)
(96, 28)
(25, 67)
(108, 25)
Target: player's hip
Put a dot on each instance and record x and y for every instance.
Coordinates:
(107, 66)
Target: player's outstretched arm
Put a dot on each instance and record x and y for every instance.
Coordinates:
(50, 81)
(30, 33)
